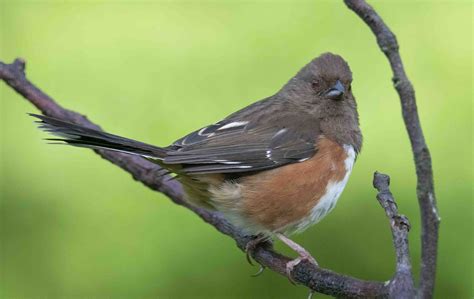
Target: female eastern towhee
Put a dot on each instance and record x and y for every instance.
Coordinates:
(272, 168)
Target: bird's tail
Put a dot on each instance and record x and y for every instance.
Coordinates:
(81, 136)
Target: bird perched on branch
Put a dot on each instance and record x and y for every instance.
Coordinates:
(272, 168)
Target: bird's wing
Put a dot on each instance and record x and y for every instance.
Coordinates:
(231, 146)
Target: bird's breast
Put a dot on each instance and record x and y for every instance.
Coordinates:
(292, 197)
(329, 199)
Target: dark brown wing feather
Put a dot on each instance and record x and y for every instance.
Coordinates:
(241, 143)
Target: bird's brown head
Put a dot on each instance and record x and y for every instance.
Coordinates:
(323, 89)
(327, 77)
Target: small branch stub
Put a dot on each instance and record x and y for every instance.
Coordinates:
(401, 285)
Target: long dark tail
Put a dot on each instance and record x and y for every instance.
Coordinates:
(78, 135)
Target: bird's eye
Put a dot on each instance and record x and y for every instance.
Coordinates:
(350, 87)
(316, 84)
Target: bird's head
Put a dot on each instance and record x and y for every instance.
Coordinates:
(323, 84)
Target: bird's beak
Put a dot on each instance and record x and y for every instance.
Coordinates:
(335, 92)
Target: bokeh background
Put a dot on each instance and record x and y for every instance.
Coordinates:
(75, 226)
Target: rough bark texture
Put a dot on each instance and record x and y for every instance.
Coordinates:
(315, 278)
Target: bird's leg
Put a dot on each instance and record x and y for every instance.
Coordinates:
(304, 255)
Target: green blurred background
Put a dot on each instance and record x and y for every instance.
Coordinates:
(75, 226)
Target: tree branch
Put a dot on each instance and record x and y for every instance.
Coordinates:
(151, 175)
(425, 188)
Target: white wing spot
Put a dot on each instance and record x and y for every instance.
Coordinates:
(202, 130)
(228, 162)
(233, 125)
(280, 132)
(269, 154)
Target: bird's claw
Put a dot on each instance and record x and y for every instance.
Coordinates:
(260, 271)
(248, 249)
(292, 264)
(252, 245)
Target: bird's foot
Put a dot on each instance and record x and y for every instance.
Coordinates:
(250, 248)
(304, 255)
(292, 264)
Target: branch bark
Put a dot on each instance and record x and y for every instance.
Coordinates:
(315, 278)
(425, 188)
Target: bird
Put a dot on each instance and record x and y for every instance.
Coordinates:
(273, 168)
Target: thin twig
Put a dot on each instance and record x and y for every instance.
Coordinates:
(316, 278)
(425, 188)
